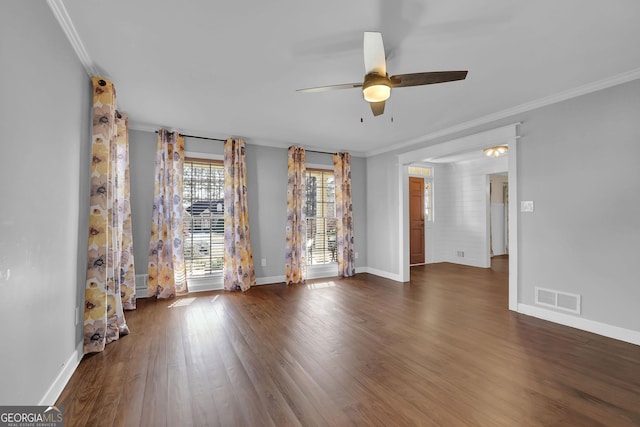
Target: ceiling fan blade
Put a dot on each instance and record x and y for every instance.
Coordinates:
(428, 78)
(374, 58)
(377, 108)
(332, 87)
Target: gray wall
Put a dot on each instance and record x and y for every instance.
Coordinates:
(45, 106)
(267, 193)
(578, 161)
(142, 158)
(382, 214)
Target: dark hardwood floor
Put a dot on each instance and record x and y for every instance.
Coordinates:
(440, 350)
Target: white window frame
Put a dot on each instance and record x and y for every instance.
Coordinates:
(330, 269)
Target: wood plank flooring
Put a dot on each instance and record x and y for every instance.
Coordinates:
(441, 350)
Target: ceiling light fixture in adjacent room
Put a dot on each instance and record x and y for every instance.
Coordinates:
(497, 151)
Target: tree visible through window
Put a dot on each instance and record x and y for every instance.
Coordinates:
(203, 201)
(321, 217)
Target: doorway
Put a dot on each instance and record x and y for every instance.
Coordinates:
(498, 214)
(504, 135)
(416, 221)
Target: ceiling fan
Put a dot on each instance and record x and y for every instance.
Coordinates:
(377, 84)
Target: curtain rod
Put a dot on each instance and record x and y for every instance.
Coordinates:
(223, 140)
(319, 152)
(200, 137)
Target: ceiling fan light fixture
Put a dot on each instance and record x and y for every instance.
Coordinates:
(376, 88)
(497, 151)
(376, 93)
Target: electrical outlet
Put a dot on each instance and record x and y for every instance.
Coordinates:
(526, 206)
(77, 316)
(460, 254)
(357, 254)
(263, 262)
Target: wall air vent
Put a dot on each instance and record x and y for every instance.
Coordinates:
(141, 285)
(557, 299)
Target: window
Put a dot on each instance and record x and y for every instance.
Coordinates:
(321, 217)
(203, 201)
(420, 170)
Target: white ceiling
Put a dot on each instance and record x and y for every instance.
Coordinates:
(231, 68)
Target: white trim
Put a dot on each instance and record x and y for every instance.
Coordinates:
(522, 108)
(403, 232)
(501, 135)
(487, 225)
(512, 179)
(61, 14)
(505, 134)
(381, 273)
(55, 389)
(610, 331)
(270, 280)
(141, 285)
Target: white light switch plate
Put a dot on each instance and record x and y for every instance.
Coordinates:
(526, 206)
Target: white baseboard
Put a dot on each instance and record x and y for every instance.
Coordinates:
(381, 273)
(52, 394)
(270, 280)
(462, 261)
(610, 331)
(141, 286)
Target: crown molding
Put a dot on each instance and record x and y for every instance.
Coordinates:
(63, 18)
(61, 14)
(522, 108)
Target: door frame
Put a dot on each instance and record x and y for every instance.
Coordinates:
(503, 135)
(424, 223)
(489, 214)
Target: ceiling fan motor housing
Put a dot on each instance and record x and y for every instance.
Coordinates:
(376, 87)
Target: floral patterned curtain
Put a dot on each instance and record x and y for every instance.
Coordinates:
(344, 214)
(238, 271)
(296, 245)
(167, 268)
(110, 283)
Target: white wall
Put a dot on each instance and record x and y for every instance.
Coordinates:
(461, 211)
(45, 105)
